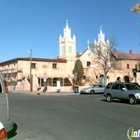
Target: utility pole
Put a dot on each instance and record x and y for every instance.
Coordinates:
(31, 78)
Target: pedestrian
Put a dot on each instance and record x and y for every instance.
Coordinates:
(118, 79)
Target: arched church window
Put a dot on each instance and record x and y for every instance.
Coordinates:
(63, 49)
(70, 49)
(98, 52)
(105, 52)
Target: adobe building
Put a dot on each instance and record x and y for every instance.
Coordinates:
(47, 72)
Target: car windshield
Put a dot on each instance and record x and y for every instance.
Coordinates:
(132, 87)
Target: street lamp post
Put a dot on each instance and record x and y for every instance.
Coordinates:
(30, 52)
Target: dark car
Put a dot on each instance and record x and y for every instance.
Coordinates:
(122, 91)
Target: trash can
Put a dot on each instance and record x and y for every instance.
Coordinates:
(76, 89)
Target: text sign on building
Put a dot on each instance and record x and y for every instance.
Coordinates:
(45, 76)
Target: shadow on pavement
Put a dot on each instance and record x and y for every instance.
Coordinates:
(12, 133)
(118, 101)
(91, 94)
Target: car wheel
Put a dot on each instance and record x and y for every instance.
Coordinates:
(132, 100)
(92, 92)
(109, 98)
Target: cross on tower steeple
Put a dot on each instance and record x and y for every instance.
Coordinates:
(88, 42)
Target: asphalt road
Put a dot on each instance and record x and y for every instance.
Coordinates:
(71, 117)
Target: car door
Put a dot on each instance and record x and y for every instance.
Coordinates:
(118, 92)
(115, 90)
(97, 89)
(122, 93)
(4, 106)
(101, 88)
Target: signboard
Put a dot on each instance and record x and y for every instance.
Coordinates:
(45, 76)
(44, 79)
(58, 85)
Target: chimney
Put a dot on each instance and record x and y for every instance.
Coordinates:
(130, 51)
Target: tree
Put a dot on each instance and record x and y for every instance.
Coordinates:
(136, 8)
(102, 56)
(78, 69)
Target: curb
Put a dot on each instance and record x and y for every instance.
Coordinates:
(44, 93)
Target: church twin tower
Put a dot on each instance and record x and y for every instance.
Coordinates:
(67, 44)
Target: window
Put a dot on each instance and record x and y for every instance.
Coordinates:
(127, 66)
(54, 65)
(33, 65)
(105, 52)
(63, 49)
(98, 52)
(122, 86)
(100, 86)
(88, 63)
(132, 87)
(109, 85)
(70, 49)
(115, 86)
(89, 55)
(84, 77)
(136, 66)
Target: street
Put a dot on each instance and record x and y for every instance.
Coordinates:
(71, 117)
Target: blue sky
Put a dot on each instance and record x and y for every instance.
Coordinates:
(37, 24)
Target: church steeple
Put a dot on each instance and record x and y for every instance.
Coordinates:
(67, 31)
(102, 46)
(101, 30)
(101, 36)
(67, 26)
(67, 44)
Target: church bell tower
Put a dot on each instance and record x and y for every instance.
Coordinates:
(67, 44)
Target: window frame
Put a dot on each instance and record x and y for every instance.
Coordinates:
(128, 66)
(33, 65)
(54, 65)
(88, 63)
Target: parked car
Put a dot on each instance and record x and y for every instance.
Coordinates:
(122, 91)
(96, 88)
(4, 105)
(3, 133)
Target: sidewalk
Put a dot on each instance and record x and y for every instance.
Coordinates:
(44, 93)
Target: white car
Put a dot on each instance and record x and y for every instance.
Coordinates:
(96, 88)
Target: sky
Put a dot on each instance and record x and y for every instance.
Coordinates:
(37, 25)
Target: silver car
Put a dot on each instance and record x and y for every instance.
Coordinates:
(122, 91)
(97, 88)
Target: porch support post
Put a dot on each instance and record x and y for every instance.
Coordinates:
(63, 82)
(52, 81)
